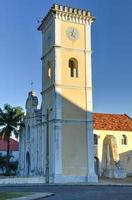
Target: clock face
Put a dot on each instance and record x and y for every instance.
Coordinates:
(72, 33)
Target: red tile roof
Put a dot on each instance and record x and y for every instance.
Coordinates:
(14, 145)
(115, 122)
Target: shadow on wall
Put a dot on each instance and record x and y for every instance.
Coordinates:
(72, 111)
(110, 154)
(111, 165)
(67, 113)
(126, 161)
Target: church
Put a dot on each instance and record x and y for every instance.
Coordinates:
(63, 140)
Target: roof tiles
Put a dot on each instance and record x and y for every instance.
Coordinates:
(115, 122)
(14, 145)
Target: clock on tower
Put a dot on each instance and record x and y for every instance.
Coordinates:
(67, 96)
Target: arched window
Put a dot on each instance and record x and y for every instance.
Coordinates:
(73, 67)
(48, 70)
(124, 140)
(28, 132)
(95, 139)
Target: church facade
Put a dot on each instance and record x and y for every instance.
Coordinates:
(57, 141)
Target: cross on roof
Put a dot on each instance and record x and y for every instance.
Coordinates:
(32, 85)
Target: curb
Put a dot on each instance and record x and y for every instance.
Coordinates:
(64, 185)
(33, 196)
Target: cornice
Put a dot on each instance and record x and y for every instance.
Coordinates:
(66, 13)
(77, 87)
(64, 48)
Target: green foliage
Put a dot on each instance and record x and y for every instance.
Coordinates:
(12, 164)
(13, 167)
(2, 162)
(7, 195)
(11, 121)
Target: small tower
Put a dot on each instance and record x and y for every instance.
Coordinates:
(31, 103)
(31, 140)
(67, 95)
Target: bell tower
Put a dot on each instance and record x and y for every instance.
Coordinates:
(67, 95)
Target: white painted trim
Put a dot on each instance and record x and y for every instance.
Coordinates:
(74, 179)
(57, 32)
(77, 87)
(92, 178)
(58, 65)
(57, 129)
(57, 149)
(91, 175)
(69, 179)
(64, 48)
(57, 52)
(43, 143)
(67, 16)
(88, 61)
(23, 180)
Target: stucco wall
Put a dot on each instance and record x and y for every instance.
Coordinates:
(124, 151)
(74, 150)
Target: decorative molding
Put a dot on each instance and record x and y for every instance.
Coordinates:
(78, 87)
(56, 121)
(53, 86)
(66, 13)
(64, 48)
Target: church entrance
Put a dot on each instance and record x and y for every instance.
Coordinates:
(96, 165)
(27, 164)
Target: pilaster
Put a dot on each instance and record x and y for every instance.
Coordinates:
(57, 127)
(91, 176)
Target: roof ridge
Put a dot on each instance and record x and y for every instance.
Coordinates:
(108, 113)
(128, 116)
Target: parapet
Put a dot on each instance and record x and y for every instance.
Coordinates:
(67, 13)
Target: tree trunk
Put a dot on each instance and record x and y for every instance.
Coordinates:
(8, 157)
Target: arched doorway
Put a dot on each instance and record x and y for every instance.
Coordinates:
(28, 164)
(96, 165)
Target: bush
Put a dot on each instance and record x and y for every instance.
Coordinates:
(12, 165)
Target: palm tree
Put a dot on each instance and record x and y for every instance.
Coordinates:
(10, 122)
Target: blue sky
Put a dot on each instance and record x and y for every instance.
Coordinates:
(20, 51)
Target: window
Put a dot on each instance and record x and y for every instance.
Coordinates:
(48, 70)
(124, 140)
(95, 139)
(73, 67)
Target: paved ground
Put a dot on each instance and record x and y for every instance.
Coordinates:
(78, 192)
(106, 189)
(94, 193)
